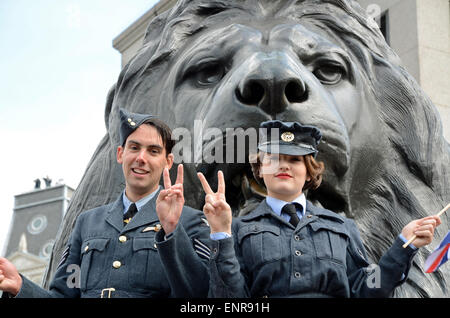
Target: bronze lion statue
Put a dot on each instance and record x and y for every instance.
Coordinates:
(235, 63)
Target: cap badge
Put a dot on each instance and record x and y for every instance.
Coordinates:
(287, 136)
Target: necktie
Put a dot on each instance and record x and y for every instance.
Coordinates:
(132, 210)
(291, 210)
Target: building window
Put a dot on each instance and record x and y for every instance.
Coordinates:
(46, 250)
(37, 224)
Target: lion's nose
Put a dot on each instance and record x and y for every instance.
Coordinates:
(271, 85)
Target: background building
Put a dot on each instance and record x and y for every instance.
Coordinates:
(417, 30)
(36, 220)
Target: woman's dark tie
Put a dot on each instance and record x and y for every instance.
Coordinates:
(291, 210)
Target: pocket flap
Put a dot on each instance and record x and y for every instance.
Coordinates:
(140, 243)
(337, 228)
(255, 229)
(97, 244)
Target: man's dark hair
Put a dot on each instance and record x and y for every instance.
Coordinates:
(163, 130)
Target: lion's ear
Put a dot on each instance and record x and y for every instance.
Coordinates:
(155, 30)
(109, 103)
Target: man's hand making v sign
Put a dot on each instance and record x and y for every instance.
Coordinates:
(170, 201)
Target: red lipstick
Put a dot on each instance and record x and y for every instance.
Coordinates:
(283, 176)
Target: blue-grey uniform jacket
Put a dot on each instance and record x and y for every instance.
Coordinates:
(322, 257)
(134, 260)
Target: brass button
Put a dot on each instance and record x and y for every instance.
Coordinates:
(86, 248)
(309, 216)
(122, 238)
(117, 264)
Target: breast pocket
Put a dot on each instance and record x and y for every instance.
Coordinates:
(93, 262)
(330, 241)
(260, 244)
(146, 268)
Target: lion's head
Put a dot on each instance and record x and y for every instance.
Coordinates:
(226, 64)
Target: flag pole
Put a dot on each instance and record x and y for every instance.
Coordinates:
(414, 236)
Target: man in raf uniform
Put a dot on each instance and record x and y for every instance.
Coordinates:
(145, 244)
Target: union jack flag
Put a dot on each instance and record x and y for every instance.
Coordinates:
(439, 256)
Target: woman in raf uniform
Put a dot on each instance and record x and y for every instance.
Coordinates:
(286, 246)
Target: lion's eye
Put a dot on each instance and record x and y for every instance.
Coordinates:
(329, 74)
(210, 74)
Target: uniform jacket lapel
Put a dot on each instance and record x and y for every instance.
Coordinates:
(312, 214)
(115, 214)
(146, 215)
(263, 209)
(323, 213)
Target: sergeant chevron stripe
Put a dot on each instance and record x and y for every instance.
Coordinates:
(202, 249)
(64, 256)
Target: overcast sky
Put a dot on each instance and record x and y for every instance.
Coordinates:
(57, 65)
